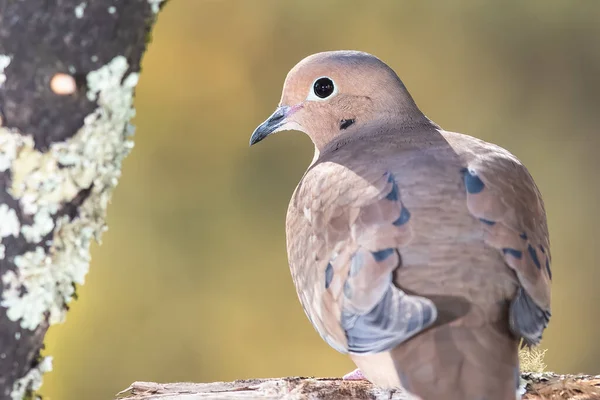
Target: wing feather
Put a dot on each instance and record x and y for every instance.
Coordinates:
(359, 226)
(503, 195)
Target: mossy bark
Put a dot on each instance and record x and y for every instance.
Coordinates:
(50, 207)
(539, 387)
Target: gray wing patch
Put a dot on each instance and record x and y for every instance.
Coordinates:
(394, 319)
(527, 319)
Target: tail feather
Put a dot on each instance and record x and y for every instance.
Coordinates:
(458, 362)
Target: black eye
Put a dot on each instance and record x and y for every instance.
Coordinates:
(323, 87)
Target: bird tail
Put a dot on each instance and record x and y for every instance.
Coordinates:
(459, 362)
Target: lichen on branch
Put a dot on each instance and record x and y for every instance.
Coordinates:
(89, 162)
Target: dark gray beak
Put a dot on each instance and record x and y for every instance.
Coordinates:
(270, 125)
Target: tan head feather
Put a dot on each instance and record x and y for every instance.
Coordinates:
(335, 93)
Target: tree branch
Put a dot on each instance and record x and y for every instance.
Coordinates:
(68, 70)
(545, 386)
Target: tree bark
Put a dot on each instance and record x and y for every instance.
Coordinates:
(68, 70)
(544, 386)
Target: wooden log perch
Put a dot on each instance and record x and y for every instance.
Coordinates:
(68, 71)
(538, 386)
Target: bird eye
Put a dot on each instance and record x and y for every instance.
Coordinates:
(323, 87)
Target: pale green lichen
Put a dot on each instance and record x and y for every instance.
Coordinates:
(532, 360)
(155, 5)
(8, 148)
(42, 225)
(32, 381)
(43, 282)
(9, 222)
(35, 274)
(80, 9)
(4, 62)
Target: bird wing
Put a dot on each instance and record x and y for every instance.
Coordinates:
(503, 195)
(354, 225)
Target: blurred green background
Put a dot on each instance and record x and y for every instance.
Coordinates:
(191, 282)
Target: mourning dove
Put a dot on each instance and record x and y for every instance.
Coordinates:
(422, 253)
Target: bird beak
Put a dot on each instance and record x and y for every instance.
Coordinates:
(271, 125)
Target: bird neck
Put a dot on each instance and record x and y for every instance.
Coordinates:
(385, 122)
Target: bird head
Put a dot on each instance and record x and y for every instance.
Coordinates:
(333, 93)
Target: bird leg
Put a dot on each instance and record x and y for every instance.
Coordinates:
(355, 375)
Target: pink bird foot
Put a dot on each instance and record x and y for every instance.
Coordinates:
(355, 375)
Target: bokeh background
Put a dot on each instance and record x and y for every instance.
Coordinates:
(191, 282)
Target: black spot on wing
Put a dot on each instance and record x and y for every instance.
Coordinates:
(393, 194)
(382, 254)
(487, 221)
(328, 275)
(548, 269)
(347, 290)
(534, 257)
(513, 252)
(473, 183)
(523, 236)
(346, 123)
(403, 218)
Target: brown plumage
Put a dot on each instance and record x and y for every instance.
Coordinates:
(422, 253)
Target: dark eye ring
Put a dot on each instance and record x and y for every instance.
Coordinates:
(323, 87)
